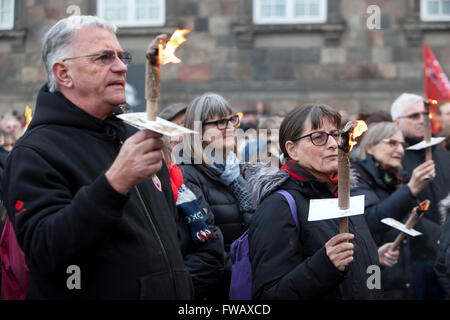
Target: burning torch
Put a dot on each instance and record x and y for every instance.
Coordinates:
(28, 117)
(427, 126)
(160, 52)
(414, 217)
(347, 139)
(428, 141)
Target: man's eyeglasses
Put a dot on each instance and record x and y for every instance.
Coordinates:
(394, 143)
(223, 123)
(108, 57)
(414, 116)
(320, 138)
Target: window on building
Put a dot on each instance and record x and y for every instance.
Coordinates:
(435, 10)
(289, 11)
(133, 13)
(6, 14)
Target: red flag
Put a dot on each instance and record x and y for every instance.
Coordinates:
(437, 86)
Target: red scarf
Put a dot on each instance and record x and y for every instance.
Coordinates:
(292, 173)
(176, 178)
(302, 174)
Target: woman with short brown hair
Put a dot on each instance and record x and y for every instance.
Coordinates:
(314, 261)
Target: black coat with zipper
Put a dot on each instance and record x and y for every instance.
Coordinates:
(425, 248)
(288, 264)
(66, 213)
(380, 203)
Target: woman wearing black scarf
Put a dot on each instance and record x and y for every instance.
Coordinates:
(388, 194)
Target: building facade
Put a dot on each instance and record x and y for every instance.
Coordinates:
(356, 55)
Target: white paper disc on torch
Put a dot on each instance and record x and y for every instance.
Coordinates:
(139, 120)
(422, 145)
(323, 209)
(400, 226)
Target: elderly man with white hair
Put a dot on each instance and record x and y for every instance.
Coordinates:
(408, 112)
(89, 197)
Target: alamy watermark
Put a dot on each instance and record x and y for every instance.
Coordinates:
(374, 279)
(74, 11)
(373, 22)
(251, 146)
(74, 280)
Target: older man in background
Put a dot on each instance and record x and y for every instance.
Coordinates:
(408, 112)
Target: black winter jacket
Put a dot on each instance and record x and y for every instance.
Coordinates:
(381, 203)
(435, 191)
(213, 195)
(205, 262)
(287, 264)
(442, 266)
(66, 213)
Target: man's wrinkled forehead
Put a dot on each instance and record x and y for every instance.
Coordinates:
(93, 36)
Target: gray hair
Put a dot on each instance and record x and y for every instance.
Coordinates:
(376, 133)
(57, 41)
(398, 106)
(201, 109)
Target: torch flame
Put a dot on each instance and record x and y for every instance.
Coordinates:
(424, 205)
(28, 115)
(167, 50)
(240, 115)
(360, 128)
(431, 101)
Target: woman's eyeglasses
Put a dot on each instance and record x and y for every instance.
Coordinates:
(108, 57)
(223, 123)
(320, 138)
(394, 143)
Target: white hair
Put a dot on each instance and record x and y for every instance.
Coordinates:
(57, 41)
(398, 106)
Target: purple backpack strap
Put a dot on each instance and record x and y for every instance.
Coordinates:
(292, 205)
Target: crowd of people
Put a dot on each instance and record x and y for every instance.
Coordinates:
(145, 216)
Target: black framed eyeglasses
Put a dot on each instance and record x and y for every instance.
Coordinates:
(414, 116)
(319, 138)
(108, 57)
(394, 143)
(223, 123)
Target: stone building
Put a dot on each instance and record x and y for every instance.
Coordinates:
(357, 55)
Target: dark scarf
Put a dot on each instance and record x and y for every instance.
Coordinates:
(390, 176)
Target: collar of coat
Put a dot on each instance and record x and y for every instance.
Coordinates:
(299, 173)
(366, 170)
(264, 179)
